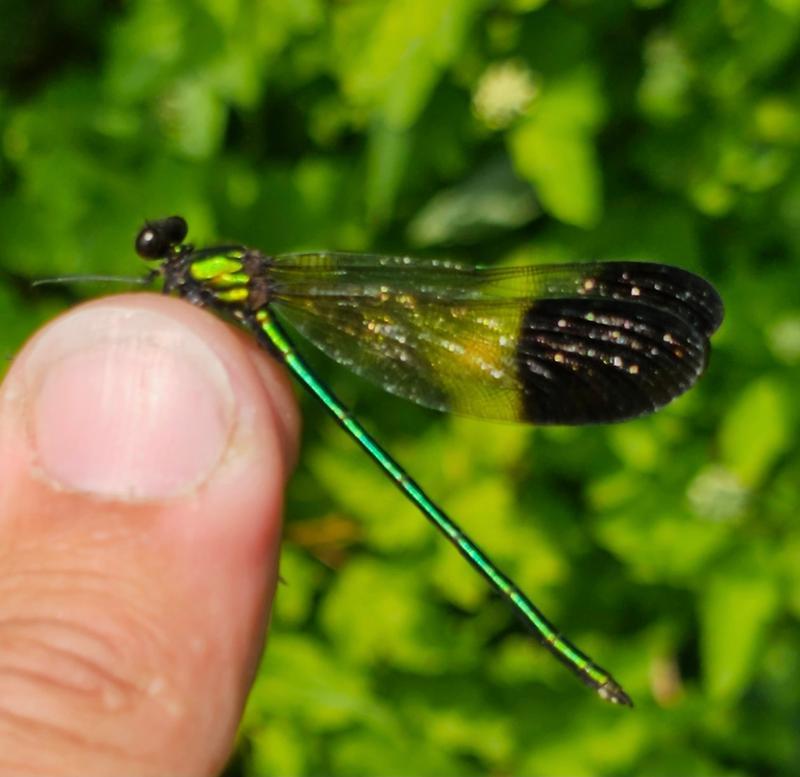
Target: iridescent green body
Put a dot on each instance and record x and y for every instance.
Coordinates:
(580, 343)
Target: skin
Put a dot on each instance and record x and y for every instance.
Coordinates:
(144, 449)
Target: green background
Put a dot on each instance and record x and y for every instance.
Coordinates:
(516, 131)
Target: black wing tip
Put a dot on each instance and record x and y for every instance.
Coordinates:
(606, 356)
(680, 291)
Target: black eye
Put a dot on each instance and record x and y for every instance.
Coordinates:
(175, 228)
(156, 238)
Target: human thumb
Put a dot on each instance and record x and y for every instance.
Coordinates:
(144, 447)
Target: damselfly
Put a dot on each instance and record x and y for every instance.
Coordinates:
(550, 344)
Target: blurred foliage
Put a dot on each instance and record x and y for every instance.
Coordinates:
(487, 130)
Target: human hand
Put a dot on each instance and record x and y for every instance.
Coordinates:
(144, 448)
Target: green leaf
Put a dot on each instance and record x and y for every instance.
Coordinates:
(787, 557)
(490, 200)
(297, 586)
(302, 678)
(554, 148)
(387, 161)
(738, 604)
(524, 5)
(194, 118)
(664, 90)
(637, 445)
(659, 543)
(375, 614)
(756, 430)
(361, 753)
(278, 748)
(390, 54)
(589, 747)
(562, 166)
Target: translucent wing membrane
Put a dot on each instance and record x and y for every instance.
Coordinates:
(566, 344)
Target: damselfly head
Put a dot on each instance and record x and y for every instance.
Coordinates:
(157, 238)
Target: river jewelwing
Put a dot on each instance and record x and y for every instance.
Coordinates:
(544, 344)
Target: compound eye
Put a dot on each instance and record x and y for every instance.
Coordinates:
(156, 238)
(151, 244)
(175, 228)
